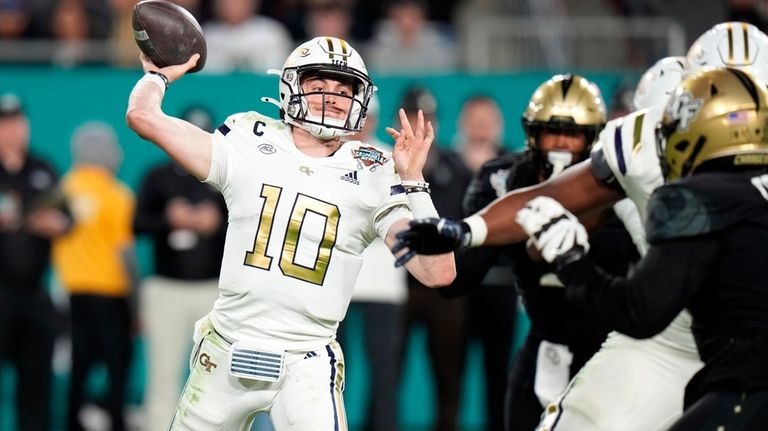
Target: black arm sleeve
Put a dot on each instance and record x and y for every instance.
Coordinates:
(644, 304)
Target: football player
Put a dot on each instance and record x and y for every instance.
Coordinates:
(606, 392)
(704, 227)
(561, 122)
(303, 205)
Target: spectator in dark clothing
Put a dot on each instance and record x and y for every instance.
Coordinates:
(492, 299)
(32, 212)
(445, 320)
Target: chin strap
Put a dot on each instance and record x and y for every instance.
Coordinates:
(271, 100)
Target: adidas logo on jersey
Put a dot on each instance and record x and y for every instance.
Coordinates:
(351, 177)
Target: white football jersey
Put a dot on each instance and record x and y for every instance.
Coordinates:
(297, 227)
(628, 145)
(601, 396)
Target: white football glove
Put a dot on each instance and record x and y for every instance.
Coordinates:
(553, 230)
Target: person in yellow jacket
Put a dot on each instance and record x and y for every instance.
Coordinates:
(95, 264)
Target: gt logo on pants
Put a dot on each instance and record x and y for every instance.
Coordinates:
(205, 361)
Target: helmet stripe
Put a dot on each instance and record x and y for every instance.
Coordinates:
(748, 84)
(343, 46)
(745, 30)
(688, 165)
(567, 84)
(329, 41)
(730, 44)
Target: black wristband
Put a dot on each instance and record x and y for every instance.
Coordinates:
(416, 189)
(162, 76)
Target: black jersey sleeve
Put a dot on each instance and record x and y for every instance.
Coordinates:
(487, 184)
(643, 304)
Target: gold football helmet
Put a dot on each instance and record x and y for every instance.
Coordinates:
(715, 120)
(565, 103)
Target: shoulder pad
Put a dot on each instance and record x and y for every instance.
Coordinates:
(675, 212)
(248, 119)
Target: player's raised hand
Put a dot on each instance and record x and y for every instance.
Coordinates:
(173, 72)
(411, 146)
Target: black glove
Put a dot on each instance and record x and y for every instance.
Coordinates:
(431, 236)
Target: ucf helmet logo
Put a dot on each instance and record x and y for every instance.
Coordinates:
(684, 108)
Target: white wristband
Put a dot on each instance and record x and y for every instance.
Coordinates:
(421, 205)
(478, 230)
(149, 77)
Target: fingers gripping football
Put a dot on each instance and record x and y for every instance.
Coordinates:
(554, 231)
(430, 236)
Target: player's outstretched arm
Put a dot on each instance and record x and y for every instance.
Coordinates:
(187, 144)
(577, 189)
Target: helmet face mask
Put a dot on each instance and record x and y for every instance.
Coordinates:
(329, 58)
(565, 104)
(715, 120)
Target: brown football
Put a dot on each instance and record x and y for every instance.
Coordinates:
(167, 33)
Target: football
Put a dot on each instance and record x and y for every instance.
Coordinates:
(167, 33)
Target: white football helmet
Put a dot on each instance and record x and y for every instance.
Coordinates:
(332, 57)
(731, 44)
(658, 82)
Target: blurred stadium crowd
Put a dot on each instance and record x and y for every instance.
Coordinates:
(394, 36)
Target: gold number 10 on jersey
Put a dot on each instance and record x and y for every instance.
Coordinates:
(303, 204)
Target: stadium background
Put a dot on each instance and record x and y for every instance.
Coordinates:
(506, 47)
(58, 100)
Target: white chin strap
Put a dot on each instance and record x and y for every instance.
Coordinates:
(559, 161)
(322, 132)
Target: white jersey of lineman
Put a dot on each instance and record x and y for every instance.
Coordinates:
(628, 145)
(630, 384)
(297, 227)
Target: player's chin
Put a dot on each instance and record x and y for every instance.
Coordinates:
(336, 115)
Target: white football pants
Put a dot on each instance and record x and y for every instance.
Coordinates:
(629, 384)
(308, 397)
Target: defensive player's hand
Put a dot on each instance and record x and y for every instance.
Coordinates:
(411, 146)
(554, 231)
(171, 72)
(431, 236)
